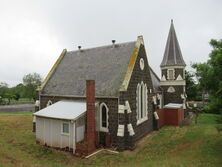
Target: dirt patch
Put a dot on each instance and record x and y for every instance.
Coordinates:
(184, 146)
(11, 160)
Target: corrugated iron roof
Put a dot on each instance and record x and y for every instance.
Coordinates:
(68, 110)
(173, 105)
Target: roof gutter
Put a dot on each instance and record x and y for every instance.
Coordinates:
(69, 119)
(80, 97)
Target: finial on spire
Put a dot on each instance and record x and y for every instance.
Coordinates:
(171, 20)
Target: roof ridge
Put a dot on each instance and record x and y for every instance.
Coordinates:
(104, 46)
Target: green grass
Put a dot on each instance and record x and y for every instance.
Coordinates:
(15, 113)
(209, 118)
(190, 146)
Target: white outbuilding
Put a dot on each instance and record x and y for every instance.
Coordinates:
(61, 125)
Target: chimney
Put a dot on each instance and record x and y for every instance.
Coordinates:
(79, 47)
(113, 41)
(90, 136)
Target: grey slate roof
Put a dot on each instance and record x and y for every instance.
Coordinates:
(172, 54)
(106, 65)
(155, 80)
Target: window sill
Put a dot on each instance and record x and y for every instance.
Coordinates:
(65, 134)
(140, 121)
(104, 129)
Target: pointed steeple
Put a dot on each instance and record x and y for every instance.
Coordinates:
(172, 55)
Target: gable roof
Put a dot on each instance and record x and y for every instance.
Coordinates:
(172, 54)
(107, 65)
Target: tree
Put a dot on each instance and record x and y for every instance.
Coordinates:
(9, 96)
(6, 93)
(3, 88)
(191, 86)
(203, 75)
(209, 76)
(19, 91)
(31, 83)
(3, 92)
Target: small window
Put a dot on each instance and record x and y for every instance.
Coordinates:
(49, 103)
(160, 100)
(170, 74)
(104, 117)
(65, 128)
(141, 64)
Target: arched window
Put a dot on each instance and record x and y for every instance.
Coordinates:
(138, 101)
(160, 98)
(104, 117)
(49, 103)
(141, 98)
(145, 99)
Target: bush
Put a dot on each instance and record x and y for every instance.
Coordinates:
(214, 106)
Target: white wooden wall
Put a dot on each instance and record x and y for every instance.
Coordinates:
(49, 132)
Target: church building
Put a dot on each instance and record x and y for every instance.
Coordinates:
(107, 96)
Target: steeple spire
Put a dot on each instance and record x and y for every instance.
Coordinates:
(172, 55)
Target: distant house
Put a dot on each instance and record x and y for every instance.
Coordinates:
(106, 96)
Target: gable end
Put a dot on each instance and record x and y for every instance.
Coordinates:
(131, 64)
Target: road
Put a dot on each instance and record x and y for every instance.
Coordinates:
(17, 107)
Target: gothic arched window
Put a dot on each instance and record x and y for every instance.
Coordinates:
(49, 103)
(141, 99)
(104, 117)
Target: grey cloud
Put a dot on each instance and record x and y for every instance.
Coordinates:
(33, 33)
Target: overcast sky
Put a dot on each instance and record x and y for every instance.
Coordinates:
(33, 33)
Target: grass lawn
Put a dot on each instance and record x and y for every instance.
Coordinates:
(191, 146)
